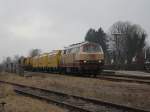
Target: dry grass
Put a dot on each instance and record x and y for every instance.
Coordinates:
(130, 94)
(6, 91)
(16, 103)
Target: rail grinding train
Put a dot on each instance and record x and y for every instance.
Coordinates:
(85, 57)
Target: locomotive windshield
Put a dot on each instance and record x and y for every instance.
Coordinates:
(91, 48)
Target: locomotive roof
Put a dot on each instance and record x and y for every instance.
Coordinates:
(54, 51)
(78, 44)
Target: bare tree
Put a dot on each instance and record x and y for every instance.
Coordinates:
(8, 59)
(7, 64)
(129, 40)
(16, 58)
(34, 52)
(1, 68)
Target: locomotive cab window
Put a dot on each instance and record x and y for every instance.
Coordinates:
(91, 48)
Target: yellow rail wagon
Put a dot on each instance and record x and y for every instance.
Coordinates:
(54, 60)
(28, 63)
(35, 62)
(43, 61)
(22, 61)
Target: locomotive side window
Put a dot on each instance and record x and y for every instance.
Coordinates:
(75, 50)
(72, 50)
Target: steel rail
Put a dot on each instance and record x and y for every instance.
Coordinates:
(123, 79)
(111, 76)
(113, 73)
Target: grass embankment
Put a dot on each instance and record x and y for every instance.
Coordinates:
(15, 103)
(130, 94)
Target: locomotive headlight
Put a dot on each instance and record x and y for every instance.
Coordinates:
(84, 61)
(99, 61)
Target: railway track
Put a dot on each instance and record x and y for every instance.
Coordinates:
(125, 78)
(111, 76)
(113, 73)
(71, 102)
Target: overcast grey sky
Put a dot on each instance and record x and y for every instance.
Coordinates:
(53, 24)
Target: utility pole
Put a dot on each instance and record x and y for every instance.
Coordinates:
(118, 44)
